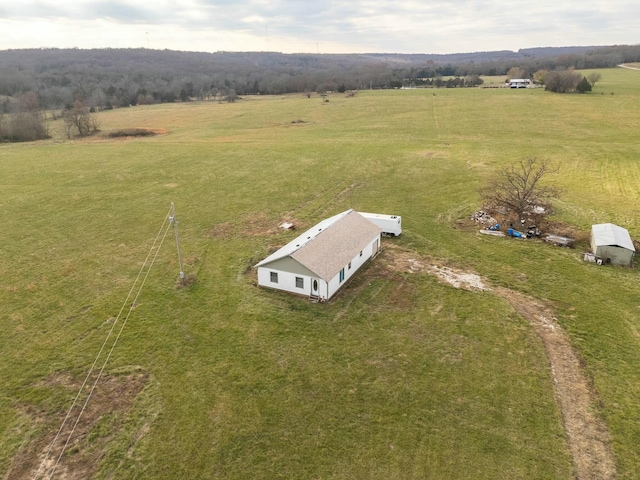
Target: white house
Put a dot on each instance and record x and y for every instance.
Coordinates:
(612, 244)
(519, 83)
(321, 260)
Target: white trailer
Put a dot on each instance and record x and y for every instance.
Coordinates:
(390, 224)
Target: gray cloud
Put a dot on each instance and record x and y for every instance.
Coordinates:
(432, 26)
(119, 11)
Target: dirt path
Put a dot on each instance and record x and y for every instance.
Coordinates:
(587, 435)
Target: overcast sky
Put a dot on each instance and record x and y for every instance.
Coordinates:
(320, 26)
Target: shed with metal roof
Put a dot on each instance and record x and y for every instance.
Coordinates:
(612, 244)
(319, 262)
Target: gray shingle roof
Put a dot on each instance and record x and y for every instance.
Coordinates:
(302, 239)
(330, 245)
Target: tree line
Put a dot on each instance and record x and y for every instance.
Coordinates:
(66, 79)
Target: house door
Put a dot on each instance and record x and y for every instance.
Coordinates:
(314, 286)
(374, 248)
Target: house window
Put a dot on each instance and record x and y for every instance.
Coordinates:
(299, 282)
(274, 277)
(341, 275)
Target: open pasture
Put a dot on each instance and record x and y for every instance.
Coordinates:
(402, 375)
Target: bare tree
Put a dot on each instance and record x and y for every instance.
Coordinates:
(564, 81)
(231, 96)
(79, 118)
(539, 76)
(518, 189)
(27, 122)
(517, 72)
(594, 78)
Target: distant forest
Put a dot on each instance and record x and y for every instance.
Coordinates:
(107, 78)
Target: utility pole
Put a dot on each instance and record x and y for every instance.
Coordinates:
(173, 221)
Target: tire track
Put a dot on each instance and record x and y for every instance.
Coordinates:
(588, 437)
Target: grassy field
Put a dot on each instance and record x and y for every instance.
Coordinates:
(401, 376)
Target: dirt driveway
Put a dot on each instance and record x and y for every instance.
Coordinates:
(588, 437)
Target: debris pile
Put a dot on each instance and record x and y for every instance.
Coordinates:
(592, 258)
(483, 218)
(495, 233)
(287, 226)
(515, 234)
(560, 241)
(530, 232)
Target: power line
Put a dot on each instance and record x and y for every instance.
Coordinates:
(75, 401)
(108, 357)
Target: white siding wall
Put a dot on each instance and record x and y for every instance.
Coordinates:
(286, 281)
(335, 284)
(323, 289)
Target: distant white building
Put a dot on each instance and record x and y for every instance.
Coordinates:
(321, 260)
(612, 244)
(519, 83)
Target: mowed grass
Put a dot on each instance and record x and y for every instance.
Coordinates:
(400, 376)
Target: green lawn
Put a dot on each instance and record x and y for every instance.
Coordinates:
(399, 377)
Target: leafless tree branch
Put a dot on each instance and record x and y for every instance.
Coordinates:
(518, 188)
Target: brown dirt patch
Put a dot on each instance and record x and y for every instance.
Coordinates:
(588, 438)
(254, 225)
(186, 281)
(222, 230)
(258, 224)
(402, 260)
(114, 395)
(102, 137)
(137, 132)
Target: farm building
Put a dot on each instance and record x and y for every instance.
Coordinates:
(612, 244)
(519, 83)
(320, 261)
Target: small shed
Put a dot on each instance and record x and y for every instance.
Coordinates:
(612, 244)
(320, 261)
